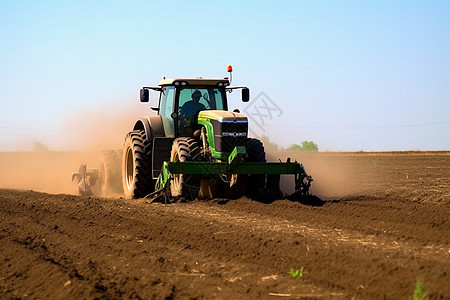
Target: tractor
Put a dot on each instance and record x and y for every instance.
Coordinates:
(194, 147)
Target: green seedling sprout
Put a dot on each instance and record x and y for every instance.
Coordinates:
(419, 292)
(297, 273)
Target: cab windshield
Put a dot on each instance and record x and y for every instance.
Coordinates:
(210, 97)
(192, 100)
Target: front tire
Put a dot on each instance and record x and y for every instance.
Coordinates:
(186, 186)
(136, 166)
(256, 153)
(251, 185)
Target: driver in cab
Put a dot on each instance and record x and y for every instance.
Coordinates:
(190, 108)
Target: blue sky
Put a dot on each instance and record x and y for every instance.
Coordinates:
(348, 75)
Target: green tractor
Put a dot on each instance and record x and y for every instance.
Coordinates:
(194, 147)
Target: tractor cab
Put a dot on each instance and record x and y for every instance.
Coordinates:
(181, 100)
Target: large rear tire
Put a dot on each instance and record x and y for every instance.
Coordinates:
(186, 186)
(136, 166)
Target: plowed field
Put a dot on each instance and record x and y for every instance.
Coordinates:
(380, 222)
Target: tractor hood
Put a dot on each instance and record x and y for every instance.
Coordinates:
(225, 130)
(221, 116)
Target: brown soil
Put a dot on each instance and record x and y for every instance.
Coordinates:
(381, 222)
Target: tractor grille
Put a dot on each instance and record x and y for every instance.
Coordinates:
(229, 134)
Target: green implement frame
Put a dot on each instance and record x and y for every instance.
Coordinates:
(235, 166)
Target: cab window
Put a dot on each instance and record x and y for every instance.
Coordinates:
(211, 98)
(195, 99)
(166, 109)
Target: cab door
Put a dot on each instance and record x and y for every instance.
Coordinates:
(166, 110)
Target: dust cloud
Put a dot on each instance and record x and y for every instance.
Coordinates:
(101, 128)
(333, 174)
(84, 134)
(48, 171)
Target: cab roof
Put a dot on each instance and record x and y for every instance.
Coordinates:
(194, 81)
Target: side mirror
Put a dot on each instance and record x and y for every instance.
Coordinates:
(245, 95)
(145, 95)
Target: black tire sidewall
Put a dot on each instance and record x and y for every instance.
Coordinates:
(184, 149)
(138, 182)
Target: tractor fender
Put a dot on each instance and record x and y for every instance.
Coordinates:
(152, 126)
